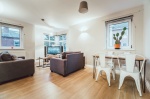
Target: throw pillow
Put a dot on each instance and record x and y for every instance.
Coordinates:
(6, 57)
(14, 57)
(63, 55)
(2, 54)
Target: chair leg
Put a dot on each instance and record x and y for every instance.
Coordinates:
(113, 73)
(137, 81)
(100, 73)
(108, 77)
(97, 75)
(121, 80)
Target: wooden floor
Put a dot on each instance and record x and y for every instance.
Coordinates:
(79, 85)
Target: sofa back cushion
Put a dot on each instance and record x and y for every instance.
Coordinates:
(5, 56)
(64, 54)
(75, 62)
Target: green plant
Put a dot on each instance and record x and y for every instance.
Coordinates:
(116, 36)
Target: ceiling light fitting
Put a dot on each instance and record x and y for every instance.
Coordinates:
(83, 8)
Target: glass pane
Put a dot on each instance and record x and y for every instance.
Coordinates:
(10, 37)
(46, 43)
(62, 37)
(64, 47)
(52, 43)
(52, 38)
(61, 44)
(46, 37)
(117, 28)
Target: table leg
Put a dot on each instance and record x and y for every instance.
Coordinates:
(144, 77)
(39, 62)
(93, 66)
(43, 63)
(140, 74)
(139, 65)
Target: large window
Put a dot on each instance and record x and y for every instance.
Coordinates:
(116, 26)
(59, 40)
(11, 36)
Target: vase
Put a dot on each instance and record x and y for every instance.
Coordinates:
(117, 46)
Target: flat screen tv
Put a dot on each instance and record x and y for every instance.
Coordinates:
(54, 50)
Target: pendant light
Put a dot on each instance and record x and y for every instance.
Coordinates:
(83, 8)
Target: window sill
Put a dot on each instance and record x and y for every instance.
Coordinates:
(11, 48)
(120, 49)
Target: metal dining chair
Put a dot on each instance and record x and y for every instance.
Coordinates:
(131, 70)
(106, 67)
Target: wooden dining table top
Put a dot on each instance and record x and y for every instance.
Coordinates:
(138, 58)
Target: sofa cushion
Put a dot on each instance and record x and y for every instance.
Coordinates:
(64, 54)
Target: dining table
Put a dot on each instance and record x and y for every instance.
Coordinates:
(137, 60)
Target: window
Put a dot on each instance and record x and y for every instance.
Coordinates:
(11, 36)
(59, 40)
(116, 26)
(49, 40)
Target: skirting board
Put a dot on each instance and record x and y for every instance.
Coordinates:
(86, 65)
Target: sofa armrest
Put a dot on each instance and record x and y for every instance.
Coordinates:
(58, 65)
(23, 57)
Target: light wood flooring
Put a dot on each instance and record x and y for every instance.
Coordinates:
(79, 85)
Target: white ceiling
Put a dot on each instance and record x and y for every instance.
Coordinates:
(61, 13)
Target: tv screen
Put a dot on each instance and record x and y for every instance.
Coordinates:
(54, 50)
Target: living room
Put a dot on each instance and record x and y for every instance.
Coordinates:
(85, 32)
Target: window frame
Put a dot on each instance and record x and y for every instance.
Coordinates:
(21, 36)
(130, 33)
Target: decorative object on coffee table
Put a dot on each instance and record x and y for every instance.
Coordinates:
(118, 39)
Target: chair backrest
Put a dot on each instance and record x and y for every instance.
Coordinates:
(102, 59)
(130, 62)
(111, 54)
(120, 56)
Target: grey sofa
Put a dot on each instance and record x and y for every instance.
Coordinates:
(12, 70)
(72, 62)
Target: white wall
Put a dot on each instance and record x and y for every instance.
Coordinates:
(28, 31)
(93, 41)
(147, 38)
(39, 40)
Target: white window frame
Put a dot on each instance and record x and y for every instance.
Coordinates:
(130, 47)
(21, 36)
(49, 41)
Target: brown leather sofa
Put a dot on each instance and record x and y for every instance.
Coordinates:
(71, 62)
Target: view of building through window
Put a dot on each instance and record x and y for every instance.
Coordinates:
(10, 37)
